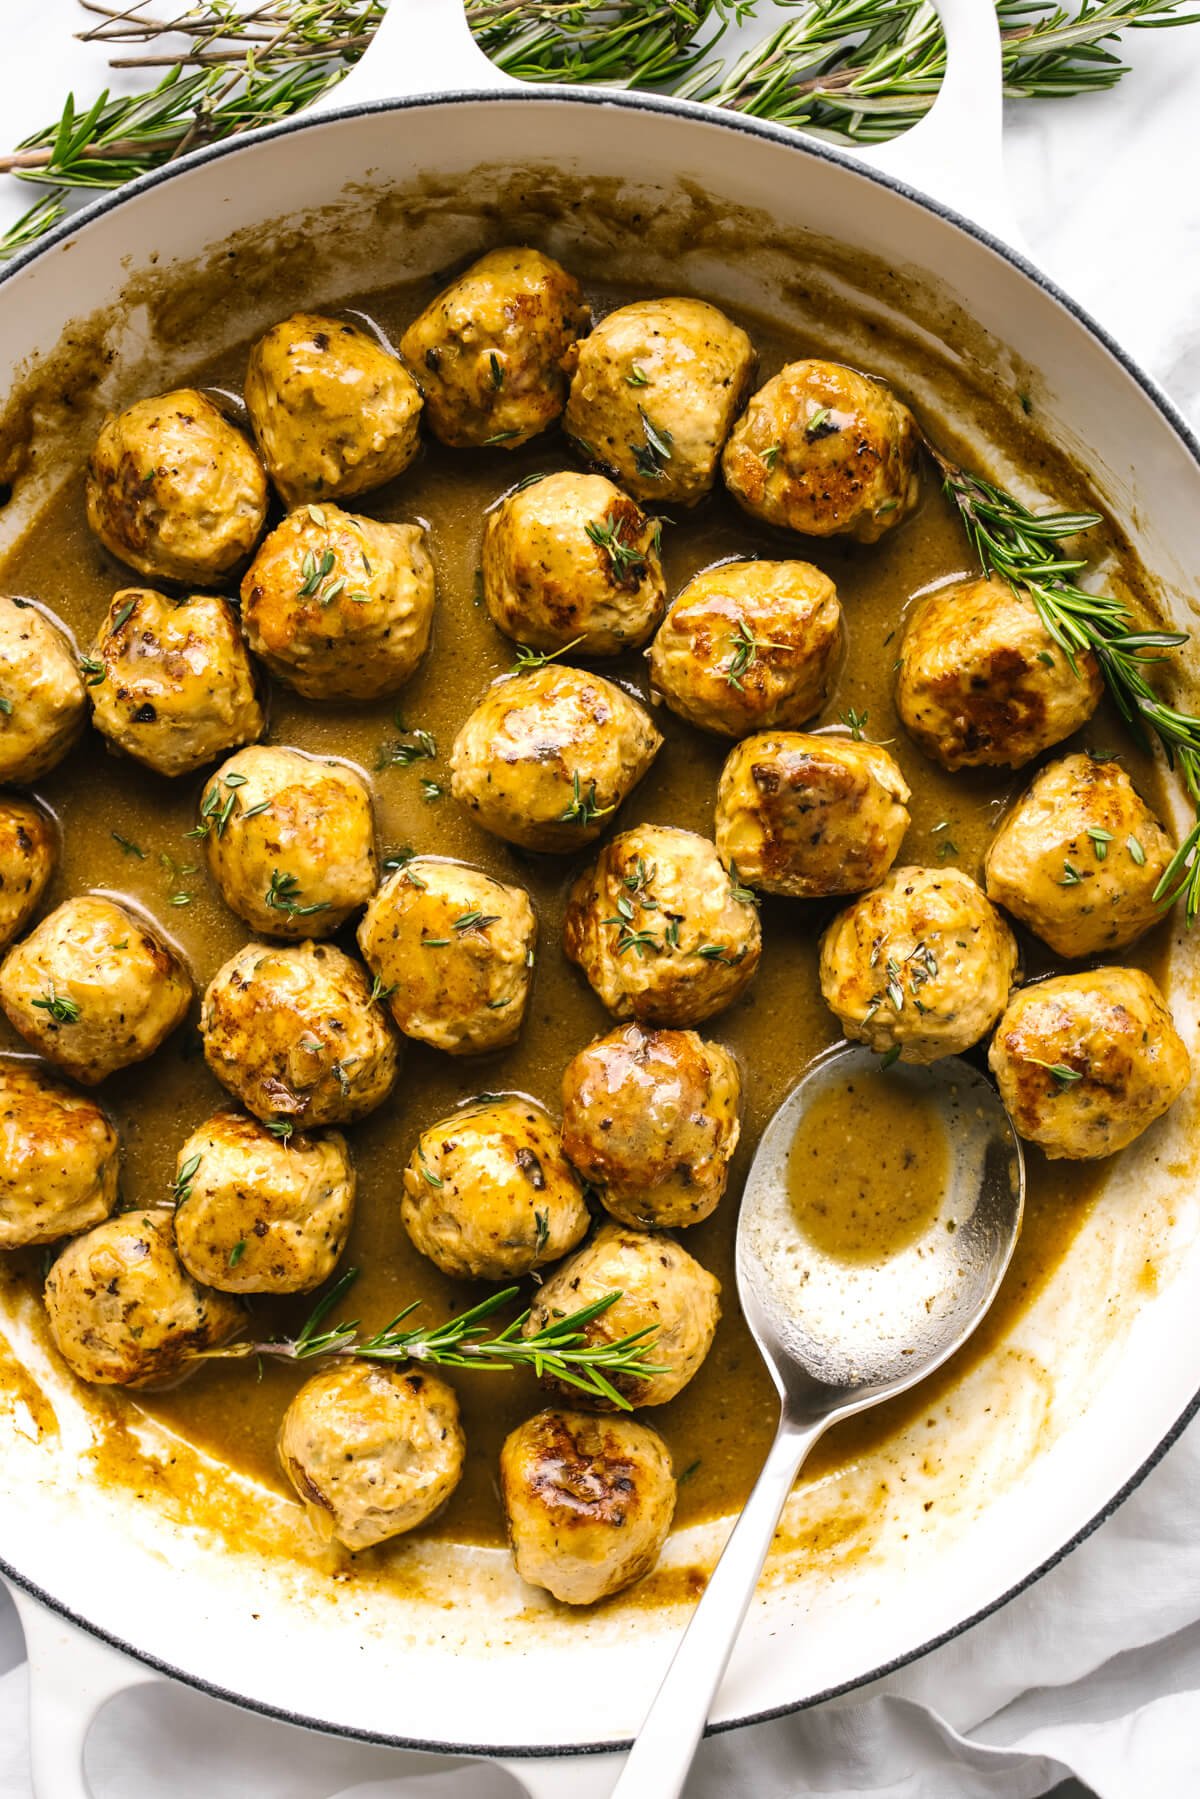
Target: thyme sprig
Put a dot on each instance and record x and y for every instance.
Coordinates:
(560, 1349)
(1031, 552)
(860, 69)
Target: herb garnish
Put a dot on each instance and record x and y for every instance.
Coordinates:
(528, 659)
(626, 562)
(560, 1349)
(61, 1009)
(650, 458)
(283, 896)
(181, 1187)
(584, 807)
(745, 652)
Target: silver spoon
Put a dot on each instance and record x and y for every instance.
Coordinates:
(837, 1337)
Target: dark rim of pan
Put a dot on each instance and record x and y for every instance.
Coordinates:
(803, 146)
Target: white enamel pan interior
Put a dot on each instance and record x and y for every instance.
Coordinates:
(1039, 1442)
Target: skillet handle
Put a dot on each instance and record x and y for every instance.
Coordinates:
(71, 1677)
(953, 154)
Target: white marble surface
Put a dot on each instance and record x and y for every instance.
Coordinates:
(1097, 1670)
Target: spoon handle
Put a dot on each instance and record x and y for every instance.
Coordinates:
(662, 1753)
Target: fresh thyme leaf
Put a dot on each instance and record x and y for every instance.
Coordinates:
(380, 989)
(855, 722)
(819, 425)
(497, 370)
(542, 1221)
(283, 1128)
(1071, 876)
(745, 652)
(650, 458)
(1100, 841)
(528, 659)
(738, 890)
(501, 437)
(475, 921)
(434, 1180)
(61, 1009)
(584, 807)
(1065, 1076)
(283, 896)
(890, 1056)
(423, 747)
(637, 376)
(237, 1252)
(122, 616)
(1136, 851)
(626, 562)
(92, 669)
(130, 848)
(431, 791)
(181, 1187)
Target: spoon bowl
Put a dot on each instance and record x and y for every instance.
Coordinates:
(839, 1332)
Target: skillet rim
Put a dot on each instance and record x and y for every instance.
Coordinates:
(695, 113)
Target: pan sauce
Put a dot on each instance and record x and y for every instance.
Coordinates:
(718, 1429)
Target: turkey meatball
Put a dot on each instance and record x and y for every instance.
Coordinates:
(60, 1160)
(43, 702)
(490, 352)
(823, 450)
(660, 929)
(94, 988)
(171, 683)
(546, 757)
(372, 1451)
(1079, 858)
(175, 490)
(570, 562)
(28, 852)
(334, 412)
(656, 389)
(489, 1194)
(1085, 1062)
(588, 1502)
(123, 1310)
(452, 950)
(254, 1214)
(983, 684)
(290, 840)
(810, 816)
(340, 607)
(650, 1119)
(661, 1288)
(747, 645)
(923, 964)
(293, 1032)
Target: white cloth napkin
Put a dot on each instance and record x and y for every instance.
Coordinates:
(1096, 1670)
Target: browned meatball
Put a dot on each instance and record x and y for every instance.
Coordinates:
(43, 702)
(546, 758)
(372, 1452)
(340, 607)
(1085, 1062)
(749, 644)
(290, 839)
(655, 391)
(295, 1032)
(983, 684)
(824, 450)
(491, 350)
(660, 929)
(175, 490)
(489, 1194)
(810, 816)
(334, 412)
(650, 1119)
(570, 562)
(256, 1213)
(659, 1287)
(922, 964)
(171, 683)
(588, 1502)
(122, 1309)
(94, 988)
(28, 852)
(1080, 858)
(453, 952)
(60, 1159)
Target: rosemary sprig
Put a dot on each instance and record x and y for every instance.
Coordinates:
(862, 69)
(1026, 549)
(560, 1349)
